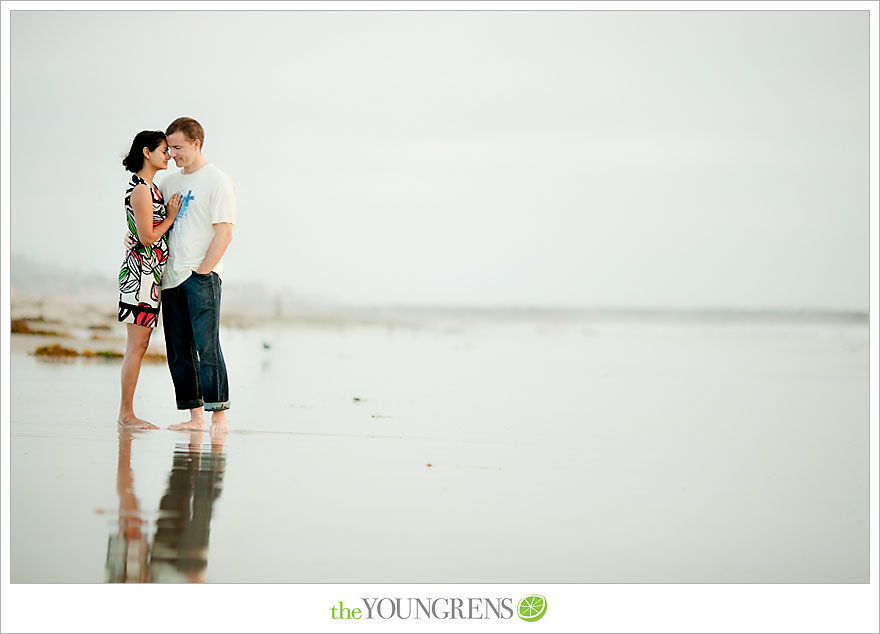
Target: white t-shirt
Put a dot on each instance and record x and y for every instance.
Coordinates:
(207, 197)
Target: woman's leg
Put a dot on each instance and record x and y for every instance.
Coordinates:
(136, 345)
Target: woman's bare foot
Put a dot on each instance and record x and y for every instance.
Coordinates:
(130, 421)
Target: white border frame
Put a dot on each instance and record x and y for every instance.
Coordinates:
(572, 607)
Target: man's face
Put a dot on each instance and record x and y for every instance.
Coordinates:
(183, 151)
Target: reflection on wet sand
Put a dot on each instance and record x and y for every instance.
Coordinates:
(127, 550)
(179, 550)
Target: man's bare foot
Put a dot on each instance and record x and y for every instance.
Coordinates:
(218, 422)
(194, 424)
(219, 430)
(130, 421)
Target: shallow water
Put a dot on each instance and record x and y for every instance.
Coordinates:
(469, 453)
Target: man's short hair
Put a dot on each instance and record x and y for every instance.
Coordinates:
(190, 127)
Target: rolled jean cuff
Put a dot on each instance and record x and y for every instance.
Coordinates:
(191, 404)
(216, 407)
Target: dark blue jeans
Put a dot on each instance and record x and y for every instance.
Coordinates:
(191, 315)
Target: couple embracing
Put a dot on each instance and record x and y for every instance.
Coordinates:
(177, 235)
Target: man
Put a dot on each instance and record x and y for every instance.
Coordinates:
(191, 281)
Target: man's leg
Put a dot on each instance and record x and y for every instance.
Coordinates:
(182, 360)
(203, 302)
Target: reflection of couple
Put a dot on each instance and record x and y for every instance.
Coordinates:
(179, 269)
(179, 551)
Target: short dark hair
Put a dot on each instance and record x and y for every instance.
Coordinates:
(190, 127)
(149, 139)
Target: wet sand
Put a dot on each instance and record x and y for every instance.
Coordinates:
(528, 450)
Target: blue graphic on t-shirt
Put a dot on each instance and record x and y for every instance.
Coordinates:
(184, 203)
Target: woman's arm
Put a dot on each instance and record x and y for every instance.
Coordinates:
(142, 204)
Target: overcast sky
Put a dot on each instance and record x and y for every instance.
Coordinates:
(656, 159)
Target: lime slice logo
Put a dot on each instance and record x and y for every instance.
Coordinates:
(532, 607)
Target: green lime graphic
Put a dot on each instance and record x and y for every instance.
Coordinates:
(532, 607)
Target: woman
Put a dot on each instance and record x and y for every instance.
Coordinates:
(140, 277)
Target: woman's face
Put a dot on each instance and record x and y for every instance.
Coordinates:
(158, 158)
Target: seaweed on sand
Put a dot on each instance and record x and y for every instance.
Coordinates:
(58, 351)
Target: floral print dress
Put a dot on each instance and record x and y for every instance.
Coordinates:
(140, 277)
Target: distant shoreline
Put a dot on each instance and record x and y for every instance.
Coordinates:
(37, 286)
(89, 309)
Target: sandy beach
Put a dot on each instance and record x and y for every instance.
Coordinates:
(525, 447)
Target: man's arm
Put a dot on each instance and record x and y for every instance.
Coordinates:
(222, 238)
